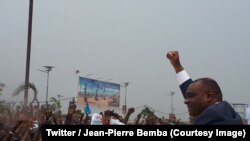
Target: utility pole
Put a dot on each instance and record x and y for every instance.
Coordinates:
(47, 70)
(172, 104)
(125, 98)
(27, 73)
(172, 115)
(77, 84)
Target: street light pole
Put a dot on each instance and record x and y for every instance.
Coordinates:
(47, 70)
(27, 72)
(125, 98)
(77, 84)
(172, 104)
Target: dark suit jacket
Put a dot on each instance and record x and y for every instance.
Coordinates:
(220, 113)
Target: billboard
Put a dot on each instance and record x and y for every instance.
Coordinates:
(99, 93)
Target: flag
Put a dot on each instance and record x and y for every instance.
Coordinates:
(87, 109)
(77, 71)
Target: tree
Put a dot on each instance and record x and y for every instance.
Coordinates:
(6, 112)
(56, 104)
(21, 88)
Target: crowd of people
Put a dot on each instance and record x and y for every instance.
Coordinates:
(202, 96)
(25, 124)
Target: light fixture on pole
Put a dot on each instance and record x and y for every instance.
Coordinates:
(47, 70)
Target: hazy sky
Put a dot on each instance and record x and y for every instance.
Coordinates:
(126, 40)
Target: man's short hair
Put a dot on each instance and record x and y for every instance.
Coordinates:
(211, 85)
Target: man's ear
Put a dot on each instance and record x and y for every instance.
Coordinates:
(209, 96)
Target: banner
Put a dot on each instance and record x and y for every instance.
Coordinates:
(99, 93)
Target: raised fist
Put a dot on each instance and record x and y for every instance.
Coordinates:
(172, 55)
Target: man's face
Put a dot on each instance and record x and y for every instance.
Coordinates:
(196, 99)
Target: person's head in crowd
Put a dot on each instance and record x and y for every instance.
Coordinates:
(202, 93)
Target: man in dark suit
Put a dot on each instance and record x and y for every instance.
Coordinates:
(203, 97)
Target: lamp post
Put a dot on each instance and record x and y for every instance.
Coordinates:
(47, 70)
(77, 84)
(27, 72)
(172, 105)
(125, 98)
(172, 116)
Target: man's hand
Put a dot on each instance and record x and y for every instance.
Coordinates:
(174, 58)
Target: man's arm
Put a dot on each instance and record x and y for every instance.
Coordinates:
(174, 59)
(183, 78)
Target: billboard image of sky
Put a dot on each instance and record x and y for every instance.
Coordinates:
(99, 93)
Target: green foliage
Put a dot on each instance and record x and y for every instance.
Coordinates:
(56, 104)
(145, 111)
(6, 112)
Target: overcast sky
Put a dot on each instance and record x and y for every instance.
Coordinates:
(126, 40)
